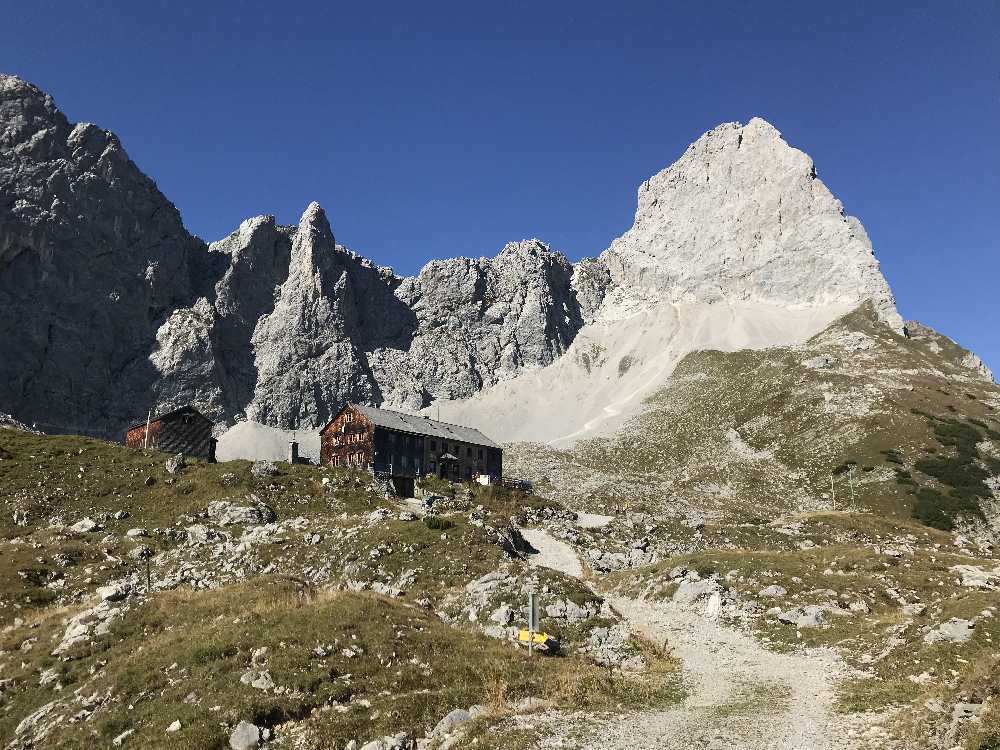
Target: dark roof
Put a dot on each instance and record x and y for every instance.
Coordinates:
(158, 417)
(420, 425)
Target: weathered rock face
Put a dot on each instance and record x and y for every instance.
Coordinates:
(310, 350)
(109, 307)
(742, 217)
(92, 258)
(482, 321)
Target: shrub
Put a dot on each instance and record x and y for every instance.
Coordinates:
(927, 509)
(437, 523)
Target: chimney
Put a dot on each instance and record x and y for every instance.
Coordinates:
(293, 452)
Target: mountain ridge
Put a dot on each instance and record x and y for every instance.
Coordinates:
(280, 324)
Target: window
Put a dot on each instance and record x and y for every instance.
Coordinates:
(433, 465)
(480, 454)
(434, 445)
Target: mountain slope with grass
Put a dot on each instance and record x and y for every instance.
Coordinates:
(858, 416)
(148, 604)
(839, 494)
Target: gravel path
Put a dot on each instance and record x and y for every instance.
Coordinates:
(740, 695)
(552, 553)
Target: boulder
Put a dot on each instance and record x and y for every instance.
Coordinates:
(175, 463)
(264, 469)
(502, 615)
(115, 592)
(688, 592)
(198, 534)
(773, 592)
(451, 722)
(85, 526)
(955, 630)
(225, 513)
(245, 736)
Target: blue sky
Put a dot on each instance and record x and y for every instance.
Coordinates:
(433, 130)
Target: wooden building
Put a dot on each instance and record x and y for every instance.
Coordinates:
(185, 430)
(404, 446)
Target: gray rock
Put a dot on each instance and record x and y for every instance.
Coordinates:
(20, 518)
(818, 363)
(688, 592)
(451, 722)
(955, 630)
(175, 726)
(392, 742)
(678, 572)
(264, 469)
(85, 526)
(966, 710)
(175, 463)
(198, 534)
(245, 736)
(503, 615)
(115, 592)
(226, 513)
(791, 617)
(809, 616)
(258, 678)
(773, 591)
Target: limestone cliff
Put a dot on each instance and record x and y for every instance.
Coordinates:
(109, 307)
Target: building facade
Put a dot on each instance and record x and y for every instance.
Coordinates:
(404, 446)
(185, 430)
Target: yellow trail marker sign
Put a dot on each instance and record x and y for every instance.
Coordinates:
(527, 635)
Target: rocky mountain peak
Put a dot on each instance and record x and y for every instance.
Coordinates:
(25, 111)
(313, 240)
(743, 217)
(282, 325)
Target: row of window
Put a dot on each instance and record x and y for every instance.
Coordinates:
(456, 449)
(349, 438)
(351, 459)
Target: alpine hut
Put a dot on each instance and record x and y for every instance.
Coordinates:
(185, 430)
(402, 447)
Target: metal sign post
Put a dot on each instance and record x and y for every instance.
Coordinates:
(532, 620)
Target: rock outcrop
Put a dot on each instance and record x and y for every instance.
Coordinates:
(742, 217)
(109, 307)
(92, 258)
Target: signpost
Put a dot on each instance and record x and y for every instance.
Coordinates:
(532, 620)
